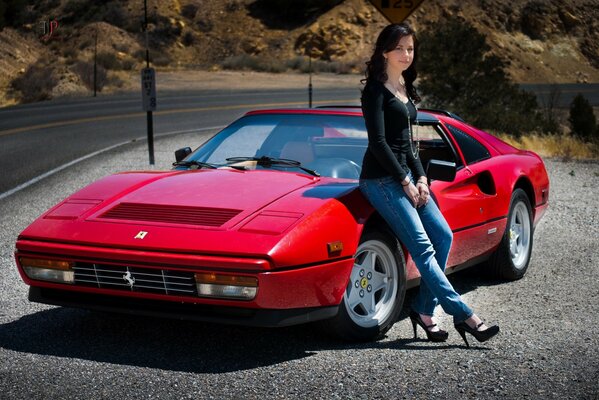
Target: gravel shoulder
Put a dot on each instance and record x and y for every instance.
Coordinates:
(547, 348)
(179, 80)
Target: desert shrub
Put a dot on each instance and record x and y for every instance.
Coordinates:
(338, 67)
(140, 55)
(460, 75)
(189, 11)
(85, 71)
(69, 53)
(128, 64)
(298, 63)
(160, 59)
(115, 14)
(549, 105)
(54, 46)
(36, 83)
(253, 63)
(188, 38)
(122, 47)
(115, 81)
(233, 5)
(562, 145)
(66, 32)
(85, 44)
(582, 119)
(302, 64)
(78, 12)
(165, 33)
(204, 25)
(108, 60)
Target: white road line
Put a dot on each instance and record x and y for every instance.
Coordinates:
(95, 153)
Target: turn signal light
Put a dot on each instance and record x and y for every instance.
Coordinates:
(226, 286)
(48, 270)
(41, 263)
(335, 247)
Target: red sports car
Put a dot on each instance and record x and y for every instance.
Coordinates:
(264, 225)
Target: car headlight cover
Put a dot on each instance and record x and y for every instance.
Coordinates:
(271, 222)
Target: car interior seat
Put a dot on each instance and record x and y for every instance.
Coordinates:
(298, 151)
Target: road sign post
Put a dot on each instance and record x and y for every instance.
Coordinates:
(396, 11)
(148, 95)
(148, 89)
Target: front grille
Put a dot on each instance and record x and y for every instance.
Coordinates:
(135, 279)
(204, 216)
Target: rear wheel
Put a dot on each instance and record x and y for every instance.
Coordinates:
(511, 259)
(375, 292)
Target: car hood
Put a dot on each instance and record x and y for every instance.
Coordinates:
(204, 211)
(202, 199)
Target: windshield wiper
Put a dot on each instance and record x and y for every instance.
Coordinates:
(190, 163)
(265, 161)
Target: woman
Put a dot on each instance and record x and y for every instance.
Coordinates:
(394, 182)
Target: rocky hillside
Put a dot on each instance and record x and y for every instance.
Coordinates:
(540, 40)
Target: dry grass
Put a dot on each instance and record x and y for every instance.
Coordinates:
(563, 146)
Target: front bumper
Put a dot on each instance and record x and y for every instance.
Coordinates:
(183, 311)
(284, 297)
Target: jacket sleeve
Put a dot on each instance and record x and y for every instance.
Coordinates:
(374, 116)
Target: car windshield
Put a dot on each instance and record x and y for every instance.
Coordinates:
(332, 145)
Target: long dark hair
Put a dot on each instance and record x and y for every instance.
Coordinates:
(387, 41)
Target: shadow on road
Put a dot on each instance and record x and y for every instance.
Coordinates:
(184, 345)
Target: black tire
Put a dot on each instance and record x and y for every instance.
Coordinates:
(510, 260)
(367, 287)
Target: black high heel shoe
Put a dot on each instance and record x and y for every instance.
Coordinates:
(433, 336)
(481, 336)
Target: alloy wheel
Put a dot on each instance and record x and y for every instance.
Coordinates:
(372, 288)
(519, 235)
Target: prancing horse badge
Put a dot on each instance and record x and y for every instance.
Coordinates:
(141, 235)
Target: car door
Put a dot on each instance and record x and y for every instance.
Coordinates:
(465, 201)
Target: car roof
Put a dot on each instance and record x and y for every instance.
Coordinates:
(426, 116)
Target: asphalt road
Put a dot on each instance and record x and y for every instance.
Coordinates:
(37, 138)
(547, 349)
(563, 94)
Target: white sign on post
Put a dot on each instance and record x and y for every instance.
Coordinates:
(148, 89)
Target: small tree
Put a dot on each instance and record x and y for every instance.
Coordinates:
(85, 71)
(36, 83)
(582, 119)
(459, 74)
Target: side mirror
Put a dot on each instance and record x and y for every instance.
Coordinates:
(182, 153)
(441, 170)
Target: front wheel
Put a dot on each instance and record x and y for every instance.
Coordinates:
(510, 260)
(375, 292)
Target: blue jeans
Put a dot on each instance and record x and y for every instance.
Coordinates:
(427, 237)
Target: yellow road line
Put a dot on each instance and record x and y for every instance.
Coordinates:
(168, 112)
